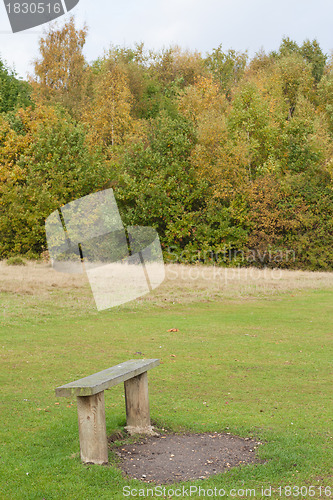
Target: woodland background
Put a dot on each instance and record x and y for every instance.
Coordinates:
(230, 159)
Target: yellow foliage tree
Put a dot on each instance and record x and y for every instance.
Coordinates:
(202, 96)
(60, 73)
(108, 114)
(215, 157)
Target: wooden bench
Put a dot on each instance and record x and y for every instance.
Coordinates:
(89, 392)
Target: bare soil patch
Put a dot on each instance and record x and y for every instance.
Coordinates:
(172, 458)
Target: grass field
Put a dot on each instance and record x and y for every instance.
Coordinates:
(253, 357)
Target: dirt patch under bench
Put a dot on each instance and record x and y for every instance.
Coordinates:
(171, 458)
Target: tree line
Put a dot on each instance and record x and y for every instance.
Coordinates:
(229, 158)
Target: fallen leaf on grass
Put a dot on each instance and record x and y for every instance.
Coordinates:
(173, 330)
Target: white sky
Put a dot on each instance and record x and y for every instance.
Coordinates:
(192, 24)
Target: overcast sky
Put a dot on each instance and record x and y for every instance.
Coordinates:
(192, 24)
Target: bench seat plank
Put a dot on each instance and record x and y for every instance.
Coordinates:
(105, 379)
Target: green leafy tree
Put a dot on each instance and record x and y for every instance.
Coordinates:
(314, 55)
(288, 47)
(248, 121)
(309, 50)
(14, 93)
(299, 150)
(227, 67)
(158, 186)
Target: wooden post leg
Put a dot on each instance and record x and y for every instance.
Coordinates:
(137, 405)
(92, 429)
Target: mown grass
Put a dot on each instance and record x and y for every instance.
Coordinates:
(254, 362)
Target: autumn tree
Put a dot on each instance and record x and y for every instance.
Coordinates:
(296, 80)
(325, 97)
(177, 65)
(260, 63)
(202, 96)
(108, 113)
(60, 72)
(289, 221)
(215, 156)
(132, 63)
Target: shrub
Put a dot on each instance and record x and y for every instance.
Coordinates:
(15, 261)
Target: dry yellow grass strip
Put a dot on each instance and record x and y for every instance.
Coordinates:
(37, 279)
(182, 284)
(190, 283)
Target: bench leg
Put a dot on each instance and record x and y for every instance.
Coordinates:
(137, 405)
(92, 429)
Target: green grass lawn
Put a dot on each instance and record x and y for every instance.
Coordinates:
(255, 367)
